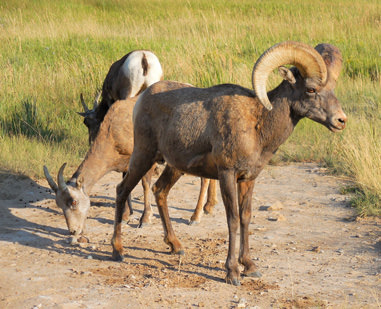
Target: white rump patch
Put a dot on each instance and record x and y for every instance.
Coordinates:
(133, 70)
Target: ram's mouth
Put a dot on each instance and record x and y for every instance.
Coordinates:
(336, 128)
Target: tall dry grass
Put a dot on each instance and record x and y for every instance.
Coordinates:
(52, 51)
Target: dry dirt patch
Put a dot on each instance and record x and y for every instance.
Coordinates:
(303, 239)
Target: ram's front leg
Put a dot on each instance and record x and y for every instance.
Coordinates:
(228, 182)
(123, 190)
(245, 192)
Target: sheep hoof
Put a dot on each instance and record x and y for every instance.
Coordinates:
(254, 274)
(234, 282)
(116, 256)
(180, 252)
(192, 222)
(142, 224)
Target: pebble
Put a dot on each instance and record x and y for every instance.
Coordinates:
(276, 206)
(316, 249)
(82, 239)
(277, 218)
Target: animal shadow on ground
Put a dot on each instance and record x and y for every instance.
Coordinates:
(17, 197)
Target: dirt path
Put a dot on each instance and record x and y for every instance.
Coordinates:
(310, 251)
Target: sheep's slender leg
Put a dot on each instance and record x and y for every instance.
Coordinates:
(228, 187)
(127, 210)
(212, 197)
(147, 213)
(161, 189)
(196, 217)
(141, 166)
(245, 192)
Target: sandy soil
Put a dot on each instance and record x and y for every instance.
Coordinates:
(310, 249)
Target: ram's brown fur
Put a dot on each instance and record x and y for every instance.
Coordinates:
(225, 133)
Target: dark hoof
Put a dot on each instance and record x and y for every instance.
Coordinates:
(191, 222)
(180, 252)
(116, 256)
(254, 274)
(233, 282)
(142, 224)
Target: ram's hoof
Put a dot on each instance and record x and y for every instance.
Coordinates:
(254, 274)
(234, 281)
(116, 256)
(192, 222)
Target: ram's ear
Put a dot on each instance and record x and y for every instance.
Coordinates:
(286, 74)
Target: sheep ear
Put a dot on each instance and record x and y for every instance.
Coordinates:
(286, 74)
(79, 182)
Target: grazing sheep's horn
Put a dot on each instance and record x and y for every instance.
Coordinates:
(84, 104)
(308, 61)
(96, 101)
(50, 180)
(61, 181)
(333, 60)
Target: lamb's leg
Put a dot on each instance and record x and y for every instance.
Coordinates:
(161, 189)
(228, 181)
(245, 192)
(196, 217)
(140, 164)
(212, 197)
(147, 213)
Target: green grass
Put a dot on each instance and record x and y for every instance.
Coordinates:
(52, 51)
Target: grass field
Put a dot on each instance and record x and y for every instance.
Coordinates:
(51, 51)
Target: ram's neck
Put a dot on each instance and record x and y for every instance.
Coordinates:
(275, 126)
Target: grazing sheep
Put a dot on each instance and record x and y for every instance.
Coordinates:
(229, 133)
(126, 78)
(110, 151)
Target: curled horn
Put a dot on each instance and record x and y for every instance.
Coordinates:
(308, 61)
(60, 179)
(333, 60)
(50, 180)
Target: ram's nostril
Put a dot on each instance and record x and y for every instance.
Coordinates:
(342, 121)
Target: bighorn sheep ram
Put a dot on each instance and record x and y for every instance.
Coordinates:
(229, 133)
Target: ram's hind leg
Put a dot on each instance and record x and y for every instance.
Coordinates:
(161, 189)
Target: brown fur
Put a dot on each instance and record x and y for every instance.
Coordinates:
(223, 133)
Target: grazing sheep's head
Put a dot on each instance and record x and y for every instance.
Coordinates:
(71, 198)
(90, 120)
(313, 80)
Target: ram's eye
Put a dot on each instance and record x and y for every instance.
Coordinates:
(74, 204)
(311, 90)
